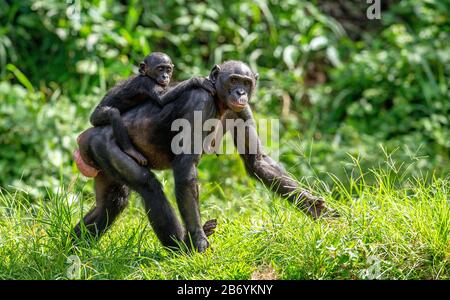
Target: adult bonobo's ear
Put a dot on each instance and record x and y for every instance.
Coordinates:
(142, 68)
(256, 75)
(214, 73)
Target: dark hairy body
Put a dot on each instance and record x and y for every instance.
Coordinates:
(148, 126)
(152, 84)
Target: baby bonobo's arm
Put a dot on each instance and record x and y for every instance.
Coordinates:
(175, 92)
(108, 112)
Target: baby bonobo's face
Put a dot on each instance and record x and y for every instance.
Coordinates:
(162, 74)
(159, 67)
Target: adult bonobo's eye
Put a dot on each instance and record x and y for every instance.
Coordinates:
(160, 69)
(169, 70)
(233, 81)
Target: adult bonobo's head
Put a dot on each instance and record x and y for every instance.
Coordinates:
(234, 83)
(157, 66)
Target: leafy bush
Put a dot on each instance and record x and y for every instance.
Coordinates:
(396, 88)
(37, 138)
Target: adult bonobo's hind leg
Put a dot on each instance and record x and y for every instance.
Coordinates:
(160, 213)
(124, 169)
(111, 198)
(186, 190)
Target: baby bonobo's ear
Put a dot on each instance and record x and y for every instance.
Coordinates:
(214, 73)
(142, 68)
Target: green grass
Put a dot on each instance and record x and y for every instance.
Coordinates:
(396, 228)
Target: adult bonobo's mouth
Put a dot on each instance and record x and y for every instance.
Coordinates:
(237, 104)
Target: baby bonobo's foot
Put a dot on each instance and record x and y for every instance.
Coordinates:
(137, 156)
(209, 227)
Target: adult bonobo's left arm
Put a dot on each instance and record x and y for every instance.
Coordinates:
(263, 167)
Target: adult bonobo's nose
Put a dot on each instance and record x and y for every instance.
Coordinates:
(240, 92)
(165, 76)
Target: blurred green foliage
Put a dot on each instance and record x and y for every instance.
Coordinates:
(335, 96)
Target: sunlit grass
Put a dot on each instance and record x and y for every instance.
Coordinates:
(397, 228)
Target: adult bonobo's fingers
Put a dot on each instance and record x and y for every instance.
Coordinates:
(317, 208)
(330, 213)
(312, 205)
(209, 227)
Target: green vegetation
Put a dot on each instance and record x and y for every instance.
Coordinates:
(364, 121)
(384, 232)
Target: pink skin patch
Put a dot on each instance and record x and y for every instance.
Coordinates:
(84, 168)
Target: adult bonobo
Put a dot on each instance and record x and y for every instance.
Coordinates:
(149, 127)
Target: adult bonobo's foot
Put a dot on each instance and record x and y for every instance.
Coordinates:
(137, 156)
(201, 244)
(199, 241)
(209, 227)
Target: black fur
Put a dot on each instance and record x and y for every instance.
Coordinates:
(151, 84)
(120, 170)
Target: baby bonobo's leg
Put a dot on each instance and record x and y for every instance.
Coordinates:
(123, 140)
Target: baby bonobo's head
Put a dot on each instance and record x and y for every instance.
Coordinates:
(158, 66)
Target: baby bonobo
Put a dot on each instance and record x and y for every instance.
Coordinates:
(152, 83)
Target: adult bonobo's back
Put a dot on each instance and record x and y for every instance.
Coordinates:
(149, 128)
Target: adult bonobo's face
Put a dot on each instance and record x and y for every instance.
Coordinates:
(234, 83)
(159, 67)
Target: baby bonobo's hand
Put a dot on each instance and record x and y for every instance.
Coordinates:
(206, 84)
